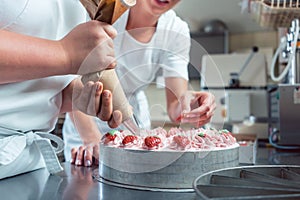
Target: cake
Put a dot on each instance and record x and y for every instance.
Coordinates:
(160, 159)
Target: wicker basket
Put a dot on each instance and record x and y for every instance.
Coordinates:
(275, 13)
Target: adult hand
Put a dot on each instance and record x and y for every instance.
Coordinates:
(89, 47)
(198, 108)
(91, 99)
(85, 155)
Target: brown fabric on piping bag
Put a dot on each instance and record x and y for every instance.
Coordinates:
(107, 10)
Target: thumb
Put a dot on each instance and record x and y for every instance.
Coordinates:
(110, 30)
(185, 102)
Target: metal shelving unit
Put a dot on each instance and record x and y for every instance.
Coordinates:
(275, 13)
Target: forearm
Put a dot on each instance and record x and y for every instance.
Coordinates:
(24, 57)
(175, 88)
(86, 127)
(174, 111)
(67, 98)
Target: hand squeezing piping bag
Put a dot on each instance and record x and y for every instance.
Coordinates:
(111, 82)
(109, 11)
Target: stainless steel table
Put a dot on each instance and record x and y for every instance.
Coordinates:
(77, 183)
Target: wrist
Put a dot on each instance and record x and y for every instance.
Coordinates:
(67, 65)
(92, 140)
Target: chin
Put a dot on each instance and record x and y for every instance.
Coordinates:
(162, 5)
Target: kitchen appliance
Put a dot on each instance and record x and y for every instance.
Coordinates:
(249, 98)
(284, 116)
(235, 81)
(285, 98)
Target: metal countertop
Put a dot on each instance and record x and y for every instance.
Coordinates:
(77, 183)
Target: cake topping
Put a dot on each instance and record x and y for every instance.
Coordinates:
(182, 142)
(201, 134)
(113, 132)
(110, 136)
(129, 139)
(223, 131)
(173, 139)
(152, 141)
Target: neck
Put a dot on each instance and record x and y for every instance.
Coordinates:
(139, 19)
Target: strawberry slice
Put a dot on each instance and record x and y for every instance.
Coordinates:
(152, 141)
(129, 139)
(182, 141)
(179, 118)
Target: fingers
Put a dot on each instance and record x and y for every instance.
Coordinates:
(73, 155)
(116, 119)
(110, 30)
(106, 113)
(88, 156)
(89, 98)
(79, 156)
(83, 156)
(198, 122)
(195, 118)
(201, 123)
(208, 104)
(202, 106)
(96, 102)
(95, 95)
(113, 64)
(93, 47)
(106, 108)
(185, 101)
(198, 111)
(107, 48)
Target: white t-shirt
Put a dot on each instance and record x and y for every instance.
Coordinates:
(34, 105)
(138, 63)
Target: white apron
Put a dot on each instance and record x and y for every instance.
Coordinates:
(29, 110)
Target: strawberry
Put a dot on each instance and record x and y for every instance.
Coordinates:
(129, 139)
(182, 141)
(152, 141)
(110, 136)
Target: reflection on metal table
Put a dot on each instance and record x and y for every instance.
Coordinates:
(78, 183)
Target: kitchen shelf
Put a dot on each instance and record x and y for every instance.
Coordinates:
(275, 13)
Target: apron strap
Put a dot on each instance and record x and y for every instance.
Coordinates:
(41, 139)
(50, 158)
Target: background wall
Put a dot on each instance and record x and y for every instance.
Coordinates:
(197, 12)
(244, 31)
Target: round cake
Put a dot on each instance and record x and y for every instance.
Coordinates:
(160, 159)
